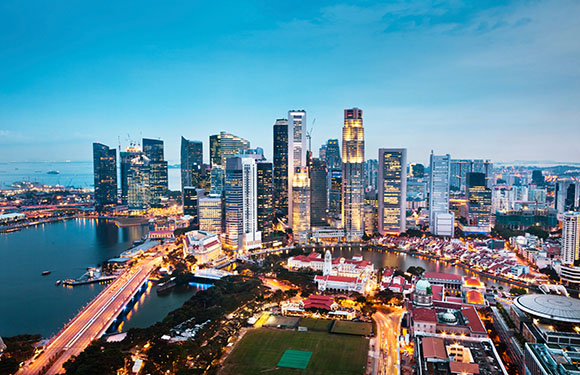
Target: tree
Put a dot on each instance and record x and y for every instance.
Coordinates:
(517, 291)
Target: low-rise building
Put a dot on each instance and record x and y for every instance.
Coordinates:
(205, 246)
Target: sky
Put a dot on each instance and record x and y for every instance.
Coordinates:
(475, 79)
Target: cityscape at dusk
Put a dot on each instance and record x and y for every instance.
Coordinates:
(290, 188)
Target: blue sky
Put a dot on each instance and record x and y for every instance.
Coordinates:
(476, 79)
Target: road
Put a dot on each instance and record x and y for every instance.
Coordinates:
(387, 344)
(92, 321)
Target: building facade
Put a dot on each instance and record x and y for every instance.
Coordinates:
(158, 180)
(191, 162)
(211, 213)
(105, 174)
(280, 178)
(297, 162)
(439, 195)
(392, 195)
(223, 146)
(318, 192)
(353, 173)
(265, 199)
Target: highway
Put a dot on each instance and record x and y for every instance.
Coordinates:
(387, 345)
(92, 321)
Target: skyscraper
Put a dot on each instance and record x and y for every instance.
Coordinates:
(479, 196)
(191, 162)
(280, 178)
(105, 172)
(392, 190)
(301, 206)
(191, 199)
(459, 171)
(217, 178)
(153, 149)
(570, 238)
(139, 194)
(225, 145)
(318, 193)
(297, 163)
(335, 193)
(332, 154)
(439, 221)
(125, 166)
(353, 173)
(211, 213)
(241, 195)
(371, 174)
(485, 167)
(567, 195)
(265, 198)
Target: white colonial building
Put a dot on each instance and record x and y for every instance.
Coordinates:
(355, 267)
(205, 246)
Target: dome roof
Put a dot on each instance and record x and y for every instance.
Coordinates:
(449, 318)
(422, 285)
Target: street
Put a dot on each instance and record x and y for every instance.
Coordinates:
(387, 346)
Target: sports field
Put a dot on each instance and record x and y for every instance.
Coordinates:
(261, 349)
(352, 328)
(322, 325)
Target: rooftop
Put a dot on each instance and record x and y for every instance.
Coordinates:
(554, 307)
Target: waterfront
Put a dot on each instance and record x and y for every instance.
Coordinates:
(32, 303)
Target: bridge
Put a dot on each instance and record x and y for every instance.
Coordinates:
(92, 322)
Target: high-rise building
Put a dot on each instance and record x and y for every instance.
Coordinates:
(479, 196)
(225, 145)
(300, 206)
(125, 166)
(211, 213)
(335, 192)
(297, 162)
(538, 178)
(459, 171)
(332, 157)
(158, 180)
(139, 194)
(485, 167)
(280, 179)
(416, 170)
(392, 190)
(191, 162)
(353, 173)
(322, 152)
(217, 178)
(570, 238)
(105, 172)
(439, 195)
(371, 174)
(265, 199)
(241, 204)
(567, 195)
(191, 204)
(318, 193)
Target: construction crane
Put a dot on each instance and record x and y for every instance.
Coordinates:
(309, 135)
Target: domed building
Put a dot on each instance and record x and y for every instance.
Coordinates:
(423, 294)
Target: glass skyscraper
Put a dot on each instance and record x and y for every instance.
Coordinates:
(479, 201)
(265, 209)
(439, 195)
(191, 163)
(105, 172)
(298, 179)
(318, 192)
(223, 146)
(153, 150)
(280, 179)
(392, 190)
(352, 173)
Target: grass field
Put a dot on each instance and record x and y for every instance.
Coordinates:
(352, 328)
(321, 325)
(261, 349)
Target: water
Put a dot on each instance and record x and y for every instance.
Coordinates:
(32, 303)
(78, 174)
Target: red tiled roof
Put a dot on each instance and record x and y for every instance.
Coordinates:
(475, 297)
(434, 347)
(441, 275)
(343, 279)
(472, 320)
(463, 368)
(437, 292)
(319, 302)
(422, 314)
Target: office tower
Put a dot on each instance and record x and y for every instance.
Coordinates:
(570, 238)
(139, 195)
(223, 146)
(439, 223)
(566, 195)
(211, 213)
(300, 206)
(241, 204)
(130, 152)
(479, 201)
(538, 178)
(153, 150)
(371, 174)
(297, 162)
(105, 171)
(318, 193)
(485, 167)
(322, 153)
(332, 157)
(416, 170)
(459, 171)
(280, 178)
(217, 177)
(265, 199)
(353, 173)
(191, 163)
(392, 190)
(335, 193)
(191, 199)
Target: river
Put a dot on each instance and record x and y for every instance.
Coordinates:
(32, 303)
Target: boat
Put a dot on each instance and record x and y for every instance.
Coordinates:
(58, 282)
(53, 172)
(44, 273)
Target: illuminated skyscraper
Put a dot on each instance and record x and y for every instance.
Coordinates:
(297, 164)
(139, 195)
(125, 166)
(440, 220)
(392, 190)
(479, 201)
(223, 146)
(335, 193)
(301, 206)
(265, 209)
(318, 192)
(332, 154)
(191, 199)
(570, 238)
(280, 178)
(105, 171)
(153, 150)
(353, 173)
(211, 213)
(371, 174)
(191, 162)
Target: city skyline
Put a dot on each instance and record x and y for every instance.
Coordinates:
(430, 77)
